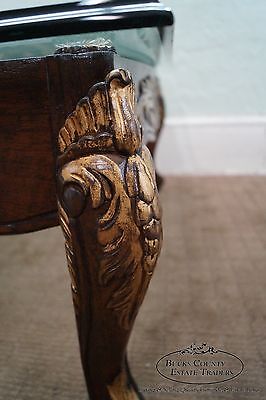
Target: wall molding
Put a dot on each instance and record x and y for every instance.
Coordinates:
(213, 145)
(216, 120)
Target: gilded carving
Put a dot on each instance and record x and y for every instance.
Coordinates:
(120, 390)
(111, 219)
(118, 173)
(70, 256)
(150, 108)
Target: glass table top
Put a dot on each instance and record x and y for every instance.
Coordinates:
(141, 44)
(36, 28)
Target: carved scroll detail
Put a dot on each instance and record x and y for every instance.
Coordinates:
(150, 108)
(64, 222)
(111, 219)
(104, 120)
(120, 185)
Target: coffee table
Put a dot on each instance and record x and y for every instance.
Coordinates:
(73, 152)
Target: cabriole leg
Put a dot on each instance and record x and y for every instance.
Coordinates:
(110, 216)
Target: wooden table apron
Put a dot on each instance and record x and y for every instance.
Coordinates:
(37, 94)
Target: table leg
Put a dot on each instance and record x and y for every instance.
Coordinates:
(110, 215)
(151, 112)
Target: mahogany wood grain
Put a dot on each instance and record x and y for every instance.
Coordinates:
(37, 94)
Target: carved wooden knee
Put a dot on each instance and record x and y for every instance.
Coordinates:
(110, 216)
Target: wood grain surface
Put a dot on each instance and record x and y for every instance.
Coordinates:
(37, 94)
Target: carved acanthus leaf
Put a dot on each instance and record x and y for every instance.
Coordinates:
(116, 179)
(150, 108)
(104, 120)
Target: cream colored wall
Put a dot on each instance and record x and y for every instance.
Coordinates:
(215, 89)
(219, 58)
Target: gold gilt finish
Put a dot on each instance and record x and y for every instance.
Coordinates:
(110, 216)
(119, 391)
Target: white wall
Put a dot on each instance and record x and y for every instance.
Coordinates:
(16, 4)
(215, 89)
(219, 58)
(213, 145)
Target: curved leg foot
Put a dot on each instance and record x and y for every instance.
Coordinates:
(110, 216)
